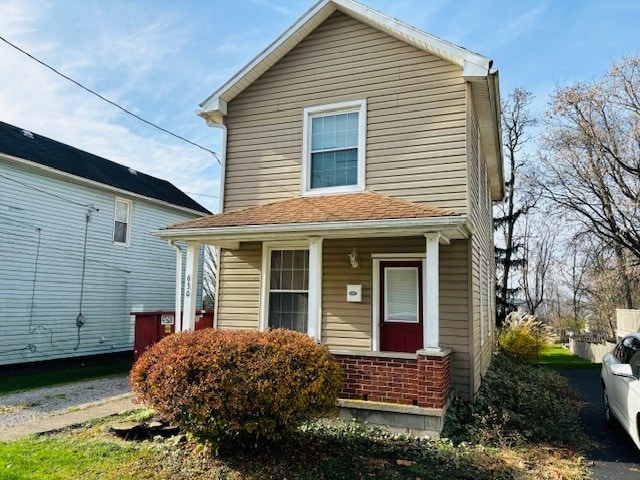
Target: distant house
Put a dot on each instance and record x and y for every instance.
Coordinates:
(76, 256)
(362, 158)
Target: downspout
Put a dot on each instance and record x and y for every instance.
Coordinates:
(178, 318)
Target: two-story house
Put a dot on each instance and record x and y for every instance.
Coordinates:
(76, 253)
(361, 159)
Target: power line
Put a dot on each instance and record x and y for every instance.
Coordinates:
(215, 155)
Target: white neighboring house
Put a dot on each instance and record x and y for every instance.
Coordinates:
(76, 256)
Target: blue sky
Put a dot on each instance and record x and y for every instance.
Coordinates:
(161, 58)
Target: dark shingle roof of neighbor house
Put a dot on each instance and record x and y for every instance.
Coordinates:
(30, 146)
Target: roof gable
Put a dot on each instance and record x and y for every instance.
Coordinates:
(214, 107)
(48, 153)
(476, 69)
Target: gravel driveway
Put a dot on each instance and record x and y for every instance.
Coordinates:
(16, 408)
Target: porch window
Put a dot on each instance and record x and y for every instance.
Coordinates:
(289, 289)
(122, 221)
(334, 148)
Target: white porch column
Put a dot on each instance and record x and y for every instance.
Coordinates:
(178, 313)
(314, 328)
(431, 294)
(191, 286)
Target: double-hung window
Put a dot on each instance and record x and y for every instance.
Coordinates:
(289, 290)
(122, 222)
(333, 158)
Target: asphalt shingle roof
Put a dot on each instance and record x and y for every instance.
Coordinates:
(30, 146)
(318, 209)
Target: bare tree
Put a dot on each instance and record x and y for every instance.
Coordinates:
(593, 160)
(574, 274)
(538, 245)
(516, 122)
(209, 277)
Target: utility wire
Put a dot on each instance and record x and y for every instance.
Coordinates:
(215, 155)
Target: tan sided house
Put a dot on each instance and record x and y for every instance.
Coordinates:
(361, 157)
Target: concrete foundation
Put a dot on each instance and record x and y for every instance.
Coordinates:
(395, 418)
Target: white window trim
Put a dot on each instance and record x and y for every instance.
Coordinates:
(314, 246)
(128, 233)
(375, 288)
(359, 106)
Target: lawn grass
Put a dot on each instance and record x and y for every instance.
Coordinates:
(327, 452)
(67, 457)
(14, 382)
(556, 356)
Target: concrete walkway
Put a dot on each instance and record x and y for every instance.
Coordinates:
(83, 414)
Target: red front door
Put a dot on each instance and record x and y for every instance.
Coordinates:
(400, 306)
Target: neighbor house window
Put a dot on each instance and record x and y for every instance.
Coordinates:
(334, 148)
(122, 221)
(289, 290)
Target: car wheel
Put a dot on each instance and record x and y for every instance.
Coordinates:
(608, 416)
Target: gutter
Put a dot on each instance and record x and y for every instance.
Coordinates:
(359, 227)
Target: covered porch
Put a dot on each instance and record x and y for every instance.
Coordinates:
(368, 288)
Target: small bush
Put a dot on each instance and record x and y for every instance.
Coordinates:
(517, 403)
(243, 384)
(522, 336)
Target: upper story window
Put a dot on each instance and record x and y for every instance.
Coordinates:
(122, 221)
(333, 157)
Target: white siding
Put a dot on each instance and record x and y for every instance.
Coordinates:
(38, 309)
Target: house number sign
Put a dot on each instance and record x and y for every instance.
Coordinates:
(187, 287)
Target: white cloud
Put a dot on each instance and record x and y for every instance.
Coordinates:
(35, 98)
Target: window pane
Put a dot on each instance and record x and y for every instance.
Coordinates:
(287, 280)
(352, 121)
(298, 258)
(122, 212)
(401, 294)
(329, 123)
(288, 310)
(334, 169)
(316, 126)
(120, 232)
(316, 141)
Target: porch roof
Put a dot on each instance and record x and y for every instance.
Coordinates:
(352, 214)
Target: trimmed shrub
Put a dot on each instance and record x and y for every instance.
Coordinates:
(517, 403)
(247, 385)
(522, 336)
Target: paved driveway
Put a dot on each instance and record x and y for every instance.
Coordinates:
(617, 458)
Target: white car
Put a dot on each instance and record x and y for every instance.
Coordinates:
(621, 385)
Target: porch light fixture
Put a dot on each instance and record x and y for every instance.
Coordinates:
(354, 259)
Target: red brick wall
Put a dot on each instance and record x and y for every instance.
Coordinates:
(424, 382)
(435, 384)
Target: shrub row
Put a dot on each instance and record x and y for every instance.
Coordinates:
(244, 384)
(516, 403)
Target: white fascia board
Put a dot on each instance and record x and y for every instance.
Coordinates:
(412, 35)
(461, 225)
(311, 19)
(216, 112)
(52, 172)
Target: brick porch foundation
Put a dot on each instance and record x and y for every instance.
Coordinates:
(422, 379)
